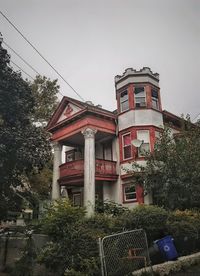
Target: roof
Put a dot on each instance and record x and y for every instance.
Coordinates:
(84, 108)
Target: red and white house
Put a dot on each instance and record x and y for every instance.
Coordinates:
(93, 148)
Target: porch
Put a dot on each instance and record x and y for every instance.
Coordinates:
(73, 172)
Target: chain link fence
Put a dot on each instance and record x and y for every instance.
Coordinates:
(123, 253)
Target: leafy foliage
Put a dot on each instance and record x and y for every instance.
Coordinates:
(152, 219)
(73, 249)
(110, 208)
(173, 169)
(45, 95)
(23, 146)
(40, 182)
(74, 237)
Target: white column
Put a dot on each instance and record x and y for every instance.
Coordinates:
(89, 170)
(57, 147)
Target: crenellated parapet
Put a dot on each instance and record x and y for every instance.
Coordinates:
(144, 75)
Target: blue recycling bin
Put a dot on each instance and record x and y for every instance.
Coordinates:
(167, 248)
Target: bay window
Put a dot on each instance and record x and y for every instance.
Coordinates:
(140, 97)
(143, 135)
(126, 144)
(154, 97)
(124, 102)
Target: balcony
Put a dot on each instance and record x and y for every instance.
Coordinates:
(73, 172)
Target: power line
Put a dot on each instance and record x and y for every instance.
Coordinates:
(21, 69)
(28, 74)
(41, 56)
(25, 63)
(21, 58)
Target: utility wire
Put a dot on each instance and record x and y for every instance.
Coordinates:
(21, 69)
(25, 63)
(21, 58)
(41, 56)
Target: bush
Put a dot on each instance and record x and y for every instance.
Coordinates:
(150, 218)
(74, 239)
(184, 226)
(110, 208)
(73, 249)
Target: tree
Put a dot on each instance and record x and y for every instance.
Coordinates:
(172, 172)
(44, 92)
(40, 182)
(23, 146)
(45, 95)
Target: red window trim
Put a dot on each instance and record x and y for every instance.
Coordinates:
(139, 194)
(123, 192)
(125, 159)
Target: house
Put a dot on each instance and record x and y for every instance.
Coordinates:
(94, 147)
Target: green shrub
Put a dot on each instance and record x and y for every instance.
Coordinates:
(150, 218)
(184, 226)
(73, 243)
(110, 208)
(73, 249)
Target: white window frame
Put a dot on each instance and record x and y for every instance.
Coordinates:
(123, 146)
(139, 149)
(154, 99)
(139, 97)
(122, 102)
(124, 193)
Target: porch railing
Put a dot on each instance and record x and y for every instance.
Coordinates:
(73, 168)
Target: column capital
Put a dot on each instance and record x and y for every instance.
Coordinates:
(89, 132)
(57, 146)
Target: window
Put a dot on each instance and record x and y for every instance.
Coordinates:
(126, 143)
(77, 199)
(143, 135)
(129, 192)
(140, 97)
(69, 155)
(154, 96)
(124, 103)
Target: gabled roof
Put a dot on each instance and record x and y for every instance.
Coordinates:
(71, 109)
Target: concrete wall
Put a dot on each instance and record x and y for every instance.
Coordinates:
(12, 247)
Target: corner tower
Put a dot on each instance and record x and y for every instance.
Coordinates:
(138, 98)
(139, 117)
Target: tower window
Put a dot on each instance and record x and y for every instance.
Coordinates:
(143, 135)
(126, 143)
(140, 97)
(124, 103)
(154, 96)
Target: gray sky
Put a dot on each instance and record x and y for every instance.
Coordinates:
(91, 41)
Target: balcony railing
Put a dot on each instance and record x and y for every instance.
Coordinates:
(76, 168)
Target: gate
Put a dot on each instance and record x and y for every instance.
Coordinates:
(123, 253)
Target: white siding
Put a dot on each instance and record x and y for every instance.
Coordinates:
(139, 118)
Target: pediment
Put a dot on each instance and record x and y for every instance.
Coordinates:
(69, 110)
(66, 109)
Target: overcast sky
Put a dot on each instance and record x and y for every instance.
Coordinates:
(91, 41)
